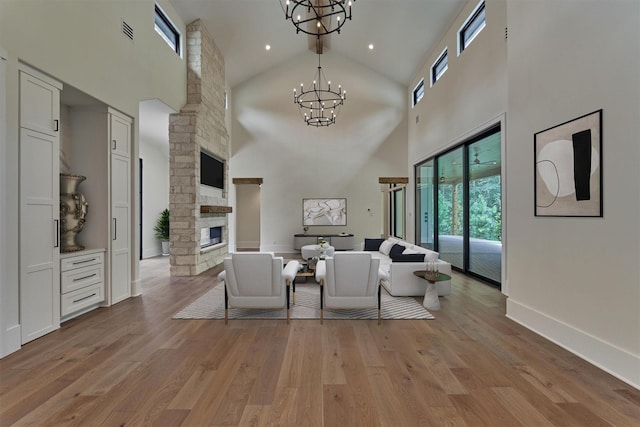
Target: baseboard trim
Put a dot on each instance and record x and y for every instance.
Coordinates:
(616, 361)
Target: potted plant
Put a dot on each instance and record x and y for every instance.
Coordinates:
(162, 231)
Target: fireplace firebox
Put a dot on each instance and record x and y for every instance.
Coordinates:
(210, 236)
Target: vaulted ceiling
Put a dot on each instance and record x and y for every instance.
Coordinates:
(402, 33)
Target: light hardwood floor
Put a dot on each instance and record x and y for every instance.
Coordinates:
(132, 365)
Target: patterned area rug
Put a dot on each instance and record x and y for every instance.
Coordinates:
(307, 306)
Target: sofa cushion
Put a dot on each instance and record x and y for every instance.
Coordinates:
(396, 249)
(408, 257)
(409, 251)
(385, 247)
(372, 244)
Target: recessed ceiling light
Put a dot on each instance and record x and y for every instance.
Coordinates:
(268, 47)
(371, 46)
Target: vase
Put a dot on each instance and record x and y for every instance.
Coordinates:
(73, 212)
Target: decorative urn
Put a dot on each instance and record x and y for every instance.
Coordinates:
(73, 212)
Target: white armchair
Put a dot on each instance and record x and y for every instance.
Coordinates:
(256, 280)
(349, 280)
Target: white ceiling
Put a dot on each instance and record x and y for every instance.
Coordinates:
(403, 32)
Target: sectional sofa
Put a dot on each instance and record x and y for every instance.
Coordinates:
(399, 259)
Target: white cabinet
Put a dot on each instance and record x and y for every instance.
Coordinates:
(120, 184)
(100, 149)
(81, 282)
(39, 166)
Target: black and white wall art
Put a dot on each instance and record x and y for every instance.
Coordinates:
(568, 168)
(324, 212)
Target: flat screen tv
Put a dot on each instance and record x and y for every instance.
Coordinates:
(211, 171)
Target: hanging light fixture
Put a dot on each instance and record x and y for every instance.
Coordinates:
(317, 17)
(319, 104)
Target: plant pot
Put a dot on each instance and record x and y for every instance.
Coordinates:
(165, 248)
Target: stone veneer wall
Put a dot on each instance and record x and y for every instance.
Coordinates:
(199, 124)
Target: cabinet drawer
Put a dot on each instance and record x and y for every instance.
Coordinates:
(80, 277)
(81, 261)
(81, 298)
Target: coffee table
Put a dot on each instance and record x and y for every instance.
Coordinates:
(431, 300)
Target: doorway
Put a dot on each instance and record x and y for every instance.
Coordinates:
(247, 213)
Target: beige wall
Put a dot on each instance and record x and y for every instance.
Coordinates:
(577, 280)
(79, 43)
(247, 214)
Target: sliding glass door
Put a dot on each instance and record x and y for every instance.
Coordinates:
(485, 208)
(451, 212)
(425, 204)
(459, 206)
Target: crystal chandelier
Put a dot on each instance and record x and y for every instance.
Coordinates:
(320, 18)
(319, 104)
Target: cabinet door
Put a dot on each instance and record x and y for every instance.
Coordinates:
(120, 135)
(39, 238)
(120, 131)
(39, 105)
(121, 231)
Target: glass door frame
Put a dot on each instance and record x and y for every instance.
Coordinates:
(497, 127)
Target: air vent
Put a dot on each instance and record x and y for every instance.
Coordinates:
(127, 30)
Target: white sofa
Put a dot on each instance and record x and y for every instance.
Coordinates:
(400, 278)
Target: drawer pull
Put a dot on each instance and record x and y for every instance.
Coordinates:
(82, 262)
(85, 277)
(82, 299)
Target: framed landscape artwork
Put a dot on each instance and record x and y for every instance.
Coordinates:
(568, 168)
(324, 212)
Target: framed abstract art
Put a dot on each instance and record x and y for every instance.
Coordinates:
(568, 168)
(324, 212)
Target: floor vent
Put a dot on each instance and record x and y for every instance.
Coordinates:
(127, 30)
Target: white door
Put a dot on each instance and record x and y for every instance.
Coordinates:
(120, 132)
(39, 238)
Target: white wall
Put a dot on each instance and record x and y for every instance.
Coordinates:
(80, 44)
(7, 315)
(468, 98)
(271, 141)
(577, 280)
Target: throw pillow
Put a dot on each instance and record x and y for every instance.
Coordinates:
(372, 244)
(396, 250)
(408, 258)
(385, 247)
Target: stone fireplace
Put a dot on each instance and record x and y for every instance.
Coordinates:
(200, 124)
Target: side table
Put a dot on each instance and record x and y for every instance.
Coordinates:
(431, 300)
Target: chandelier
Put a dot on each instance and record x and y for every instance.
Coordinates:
(318, 19)
(319, 102)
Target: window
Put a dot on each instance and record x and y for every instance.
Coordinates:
(167, 30)
(439, 67)
(397, 212)
(418, 92)
(472, 27)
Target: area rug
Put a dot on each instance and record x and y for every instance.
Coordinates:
(307, 306)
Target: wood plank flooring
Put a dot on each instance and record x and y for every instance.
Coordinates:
(132, 365)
